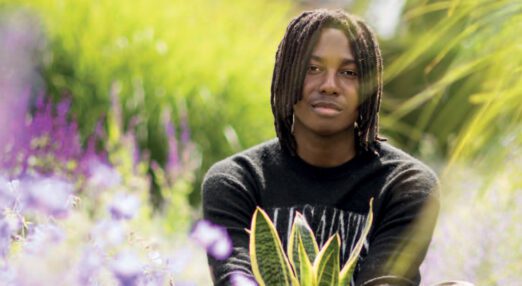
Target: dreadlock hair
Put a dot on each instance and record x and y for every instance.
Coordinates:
(292, 60)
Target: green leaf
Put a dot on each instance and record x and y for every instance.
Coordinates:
(349, 267)
(269, 262)
(301, 231)
(326, 264)
(306, 271)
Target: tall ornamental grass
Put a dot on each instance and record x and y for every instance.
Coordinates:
(453, 77)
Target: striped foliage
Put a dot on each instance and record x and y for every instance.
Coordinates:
(347, 271)
(269, 262)
(301, 231)
(303, 264)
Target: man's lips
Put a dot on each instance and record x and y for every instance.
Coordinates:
(326, 105)
(326, 108)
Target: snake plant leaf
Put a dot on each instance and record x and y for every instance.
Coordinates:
(326, 264)
(306, 271)
(301, 230)
(347, 271)
(269, 262)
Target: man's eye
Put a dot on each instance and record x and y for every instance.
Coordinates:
(349, 73)
(313, 69)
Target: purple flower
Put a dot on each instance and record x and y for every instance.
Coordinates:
(42, 236)
(179, 263)
(124, 206)
(213, 238)
(22, 41)
(102, 176)
(90, 264)
(47, 195)
(8, 196)
(127, 269)
(8, 226)
(153, 278)
(7, 275)
(107, 232)
(240, 279)
(173, 163)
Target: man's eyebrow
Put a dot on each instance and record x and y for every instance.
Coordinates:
(344, 62)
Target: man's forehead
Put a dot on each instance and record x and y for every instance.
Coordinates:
(345, 60)
(332, 45)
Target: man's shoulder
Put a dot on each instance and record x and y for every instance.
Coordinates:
(403, 162)
(248, 160)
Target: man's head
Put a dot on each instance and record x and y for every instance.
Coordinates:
(293, 61)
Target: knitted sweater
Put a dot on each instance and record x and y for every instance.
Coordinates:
(333, 200)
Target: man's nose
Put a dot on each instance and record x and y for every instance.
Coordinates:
(329, 85)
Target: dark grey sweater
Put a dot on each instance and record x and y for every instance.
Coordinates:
(332, 200)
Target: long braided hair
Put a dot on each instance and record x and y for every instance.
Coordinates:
(292, 59)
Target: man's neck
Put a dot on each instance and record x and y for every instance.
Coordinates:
(326, 151)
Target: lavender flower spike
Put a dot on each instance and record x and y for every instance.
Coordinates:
(7, 196)
(107, 233)
(42, 236)
(89, 266)
(213, 238)
(7, 228)
(47, 195)
(102, 176)
(127, 269)
(124, 206)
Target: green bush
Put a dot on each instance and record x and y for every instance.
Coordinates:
(208, 62)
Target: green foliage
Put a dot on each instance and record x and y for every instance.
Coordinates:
(349, 267)
(301, 232)
(272, 267)
(210, 61)
(173, 188)
(269, 263)
(452, 74)
(303, 265)
(326, 265)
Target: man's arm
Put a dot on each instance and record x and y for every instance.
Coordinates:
(229, 202)
(403, 230)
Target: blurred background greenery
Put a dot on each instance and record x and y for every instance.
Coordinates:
(452, 75)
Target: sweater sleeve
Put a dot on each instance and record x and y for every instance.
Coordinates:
(230, 202)
(403, 228)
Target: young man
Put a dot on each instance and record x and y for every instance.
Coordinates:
(328, 160)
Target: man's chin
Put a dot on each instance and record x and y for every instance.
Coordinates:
(329, 131)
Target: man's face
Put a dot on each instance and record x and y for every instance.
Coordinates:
(330, 101)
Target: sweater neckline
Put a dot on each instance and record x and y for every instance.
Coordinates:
(312, 171)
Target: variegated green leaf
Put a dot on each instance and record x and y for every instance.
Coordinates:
(269, 262)
(307, 275)
(349, 267)
(301, 229)
(307, 236)
(326, 264)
